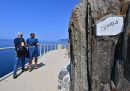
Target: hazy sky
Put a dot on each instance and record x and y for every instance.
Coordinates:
(49, 19)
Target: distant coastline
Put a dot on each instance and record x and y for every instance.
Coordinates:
(63, 40)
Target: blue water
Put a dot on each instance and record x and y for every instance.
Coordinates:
(7, 57)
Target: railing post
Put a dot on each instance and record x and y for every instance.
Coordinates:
(65, 46)
(44, 49)
(55, 46)
(51, 47)
(40, 50)
(47, 47)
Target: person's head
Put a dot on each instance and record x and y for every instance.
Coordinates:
(32, 35)
(20, 35)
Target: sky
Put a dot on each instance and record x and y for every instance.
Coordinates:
(48, 19)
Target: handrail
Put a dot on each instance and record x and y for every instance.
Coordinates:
(43, 48)
(7, 48)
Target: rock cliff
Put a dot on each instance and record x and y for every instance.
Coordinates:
(99, 63)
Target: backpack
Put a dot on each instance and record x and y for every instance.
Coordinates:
(21, 50)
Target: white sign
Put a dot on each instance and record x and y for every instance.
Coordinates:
(110, 26)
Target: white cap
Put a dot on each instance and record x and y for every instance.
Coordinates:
(20, 33)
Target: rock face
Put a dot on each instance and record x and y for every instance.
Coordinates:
(99, 63)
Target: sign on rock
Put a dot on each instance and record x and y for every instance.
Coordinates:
(110, 26)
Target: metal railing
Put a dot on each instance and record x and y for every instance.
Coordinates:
(43, 48)
(6, 48)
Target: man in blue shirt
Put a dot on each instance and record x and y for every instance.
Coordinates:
(21, 51)
(33, 44)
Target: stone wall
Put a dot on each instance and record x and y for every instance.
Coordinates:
(99, 63)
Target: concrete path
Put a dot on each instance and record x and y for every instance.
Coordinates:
(43, 79)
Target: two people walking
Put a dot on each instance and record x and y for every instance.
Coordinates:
(22, 52)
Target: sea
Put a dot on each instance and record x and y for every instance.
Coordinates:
(7, 57)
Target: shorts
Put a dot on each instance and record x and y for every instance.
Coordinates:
(33, 52)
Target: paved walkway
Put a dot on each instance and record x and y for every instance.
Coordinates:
(43, 79)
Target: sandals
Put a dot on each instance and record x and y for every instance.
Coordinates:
(36, 67)
(30, 70)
